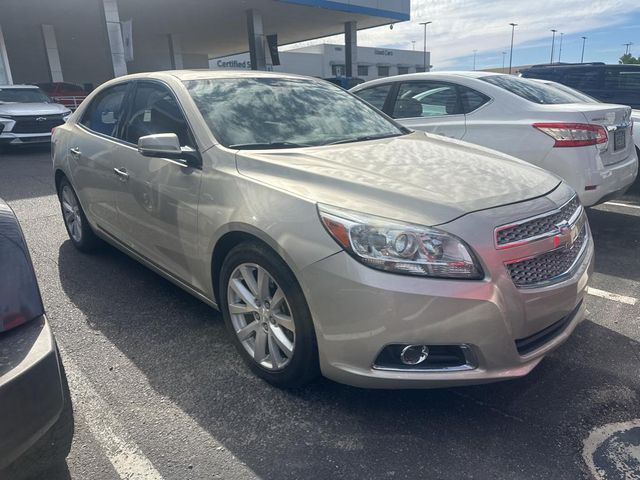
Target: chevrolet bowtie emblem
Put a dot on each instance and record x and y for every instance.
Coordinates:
(568, 234)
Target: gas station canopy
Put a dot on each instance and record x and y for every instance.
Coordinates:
(89, 41)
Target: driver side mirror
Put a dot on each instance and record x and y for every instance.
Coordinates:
(167, 145)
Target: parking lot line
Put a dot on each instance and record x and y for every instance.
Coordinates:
(611, 296)
(124, 454)
(619, 204)
(126, 457)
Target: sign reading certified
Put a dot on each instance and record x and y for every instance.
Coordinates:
(234, 64)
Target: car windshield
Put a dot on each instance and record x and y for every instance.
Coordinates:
(285, 113)
(529, 90)
(23, 95)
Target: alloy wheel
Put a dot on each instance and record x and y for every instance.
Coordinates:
(261, 316)
(71, 213)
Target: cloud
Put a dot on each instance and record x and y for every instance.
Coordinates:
(460, 26)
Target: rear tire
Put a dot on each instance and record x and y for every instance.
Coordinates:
(269, 320)
(75, 221)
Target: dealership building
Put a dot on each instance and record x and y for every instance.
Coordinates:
(91, 41)
(328, 60)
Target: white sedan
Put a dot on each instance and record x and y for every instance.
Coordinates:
(589, 145)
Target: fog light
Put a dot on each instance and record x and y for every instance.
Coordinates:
(414, 354)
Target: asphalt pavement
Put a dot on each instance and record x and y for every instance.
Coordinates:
(159, 391)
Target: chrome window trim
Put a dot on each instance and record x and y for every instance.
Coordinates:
(572, 220)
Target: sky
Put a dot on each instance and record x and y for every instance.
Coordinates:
(460, 26)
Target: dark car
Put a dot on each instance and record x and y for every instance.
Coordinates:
(607, 83)
(68, 94)
(345, 82)
(36, 420)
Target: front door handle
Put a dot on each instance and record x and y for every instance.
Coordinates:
(122, 174)
(75, 150)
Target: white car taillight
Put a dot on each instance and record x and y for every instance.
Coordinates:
(574, 134)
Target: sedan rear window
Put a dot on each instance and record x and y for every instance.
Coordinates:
(533, 91)
(285, 112)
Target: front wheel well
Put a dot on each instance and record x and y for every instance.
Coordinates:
(222, 249)
(59, 175)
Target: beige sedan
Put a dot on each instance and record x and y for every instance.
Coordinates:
(332, 239)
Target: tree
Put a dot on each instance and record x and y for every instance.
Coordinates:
(627, 58)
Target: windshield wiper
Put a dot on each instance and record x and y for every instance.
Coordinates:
(258, 145)
(366, 137)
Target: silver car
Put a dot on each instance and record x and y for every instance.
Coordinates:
(332, 239)
(27, 115)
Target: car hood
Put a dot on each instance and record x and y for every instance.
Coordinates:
(18, 109)
(419, 178)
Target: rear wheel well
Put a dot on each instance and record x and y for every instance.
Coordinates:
(222, 249)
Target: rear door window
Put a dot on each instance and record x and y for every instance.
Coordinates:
(376, 96)
(105, 111)
(427, 99)
(622, 80)
(584, 79)
(471, 99)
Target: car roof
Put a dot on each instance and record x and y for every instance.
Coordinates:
(429, 75)
(203, 74)
(582, 65)
(21, 87)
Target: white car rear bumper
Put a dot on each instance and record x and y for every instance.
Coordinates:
(594, 182)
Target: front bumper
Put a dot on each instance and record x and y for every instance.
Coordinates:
(31, 392)
(358, 311)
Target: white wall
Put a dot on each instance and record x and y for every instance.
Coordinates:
(317, 60)
(5, 72)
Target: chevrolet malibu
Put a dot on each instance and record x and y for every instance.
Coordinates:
(332, 239)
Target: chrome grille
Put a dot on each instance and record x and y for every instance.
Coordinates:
(536, 227)
(547, 267)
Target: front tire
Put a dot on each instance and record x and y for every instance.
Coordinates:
(267, 316)
(75, 221)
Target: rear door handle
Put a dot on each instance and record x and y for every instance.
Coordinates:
(75, 151)
(122, 174)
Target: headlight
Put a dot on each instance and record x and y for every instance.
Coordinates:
(5, 123)
(400, 248)
(66, 116)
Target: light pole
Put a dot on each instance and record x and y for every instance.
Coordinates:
(627, 45)
(560, 49)
(553, 43)
(513, 29)
(424, 52)
(503, 55)
(584, 40)
(474, 59)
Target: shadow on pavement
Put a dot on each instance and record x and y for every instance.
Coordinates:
(615, 236)
(27, 172)
(527, 428)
